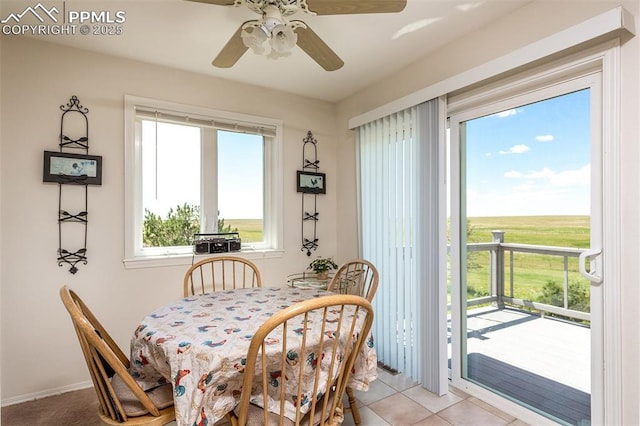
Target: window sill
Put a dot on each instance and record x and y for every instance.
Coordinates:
(189, 259)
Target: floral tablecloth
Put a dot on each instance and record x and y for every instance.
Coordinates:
(199, 343)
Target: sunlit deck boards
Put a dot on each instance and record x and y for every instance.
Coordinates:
(541, 361)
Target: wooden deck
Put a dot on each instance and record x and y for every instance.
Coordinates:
(541, 362)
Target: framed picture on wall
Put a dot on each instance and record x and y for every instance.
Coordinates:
(311, 182)
(65, 167)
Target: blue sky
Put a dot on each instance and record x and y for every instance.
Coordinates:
(240, 161)
(531, 160)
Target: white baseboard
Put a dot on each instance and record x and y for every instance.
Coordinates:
(45, 393)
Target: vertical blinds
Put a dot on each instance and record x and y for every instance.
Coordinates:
(396, 162)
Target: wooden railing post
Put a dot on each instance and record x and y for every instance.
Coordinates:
(497, 269)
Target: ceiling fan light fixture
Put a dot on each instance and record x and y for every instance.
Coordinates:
(254, 38)
(283, 34)
(272, 17)
(272, 27)
(283, 40)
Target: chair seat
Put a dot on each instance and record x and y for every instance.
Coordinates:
(162, 397)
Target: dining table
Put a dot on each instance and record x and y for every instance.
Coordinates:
(199, 345)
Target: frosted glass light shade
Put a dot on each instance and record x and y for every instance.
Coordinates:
(254, 38)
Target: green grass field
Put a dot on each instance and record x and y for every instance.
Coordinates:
(531, 271)
(250, 230)
(563, 231)
(560, 231)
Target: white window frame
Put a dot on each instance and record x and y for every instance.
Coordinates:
(136, 256)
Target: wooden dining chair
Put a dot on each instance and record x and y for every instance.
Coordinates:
(358, 277)
(284, 353)
(221, 273)
(121, 399)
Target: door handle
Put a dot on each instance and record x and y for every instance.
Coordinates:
(582, 265)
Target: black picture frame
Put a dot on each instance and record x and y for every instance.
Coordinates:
(311, 182)
(66, 167)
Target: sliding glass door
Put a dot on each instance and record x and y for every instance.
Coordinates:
(526, 220)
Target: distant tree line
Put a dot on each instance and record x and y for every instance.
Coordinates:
(178, 228)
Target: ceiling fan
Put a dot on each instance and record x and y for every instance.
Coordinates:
(273, 34)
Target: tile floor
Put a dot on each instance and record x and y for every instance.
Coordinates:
(395, 400)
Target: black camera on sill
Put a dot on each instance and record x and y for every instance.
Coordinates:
(216, 243)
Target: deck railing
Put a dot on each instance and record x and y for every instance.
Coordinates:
(501, 258)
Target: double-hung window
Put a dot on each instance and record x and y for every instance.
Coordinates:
(192, 170)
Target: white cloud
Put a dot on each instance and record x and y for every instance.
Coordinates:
(544, 173)
(581, 176)
(533, 192)
(512, 174)
(507, 113)
(544, 138)
(525, 200)
(516, 149)
(526, 186)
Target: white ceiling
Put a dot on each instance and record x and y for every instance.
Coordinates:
(188, 35)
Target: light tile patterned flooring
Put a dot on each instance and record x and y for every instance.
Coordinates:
(395, 400)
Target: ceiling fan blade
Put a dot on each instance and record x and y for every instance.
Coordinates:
(216, 2)
(343, 7)
(318, 49)
(231, 52)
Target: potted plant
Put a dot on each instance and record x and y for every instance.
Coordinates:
(321, 266)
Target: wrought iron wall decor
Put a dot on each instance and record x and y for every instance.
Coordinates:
(310, 183)
(79, 170)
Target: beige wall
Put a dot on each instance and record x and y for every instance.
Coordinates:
(40, 353)
(532, 22)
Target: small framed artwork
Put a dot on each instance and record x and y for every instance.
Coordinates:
(312, 182)
(65, 167)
